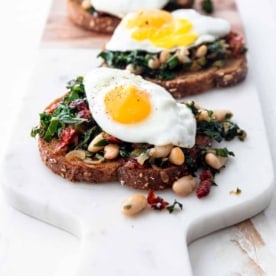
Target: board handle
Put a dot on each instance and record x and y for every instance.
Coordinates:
(132, 251)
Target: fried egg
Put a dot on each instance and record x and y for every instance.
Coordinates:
(137, 111)
(157, 30)
(121, 7)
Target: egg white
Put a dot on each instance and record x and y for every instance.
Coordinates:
(120, 8)
(169, 122)
(206, 27)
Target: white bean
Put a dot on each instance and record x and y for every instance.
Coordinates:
(134, 204)
(184, 185)
(221, 114)
(137, 70)
(177, 156)
(164, 55)
(160, 151)
(86, 4)
(201, 51)
(203, 115)
(92, 147)
(154, 63)
(215, 161)
(111, 151)
(182, 55)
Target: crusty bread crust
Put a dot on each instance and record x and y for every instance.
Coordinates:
(191, 83)
(159, 178)
(137, 178)
(82, 18)
(149, 178)
(103, 23)
(76, 170)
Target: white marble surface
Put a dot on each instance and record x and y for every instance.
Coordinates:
(92, 212)
(30, 247)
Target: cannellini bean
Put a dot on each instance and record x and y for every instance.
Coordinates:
(201, 51)
(184, 185)
(86, 4)
(134, 204)
(215, 161)
(154, 63)
(203, 115)
(111, 151)
(160, 151)
(134, 69)
(177, 156)
(182, 55)
(75, 154)
(142, 158)
(221, 114)
(164, 55)
(96, 139)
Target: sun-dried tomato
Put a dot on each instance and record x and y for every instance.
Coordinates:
(207, 174)
(132, 163)
(156, 202)
(85, 114)
(206, 181)
(236, 43)
(79, 105)
(67, 136)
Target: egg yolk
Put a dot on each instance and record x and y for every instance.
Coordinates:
(127, 104)
(161, 29)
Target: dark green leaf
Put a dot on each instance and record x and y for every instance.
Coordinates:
(172, 62)
(101, 143)
(171, 208)
(207, 6)
(224, 152)
(51, 130)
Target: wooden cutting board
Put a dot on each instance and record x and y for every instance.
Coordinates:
(111, 244)
(61, 32)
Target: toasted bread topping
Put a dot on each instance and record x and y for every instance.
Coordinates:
(74, 146)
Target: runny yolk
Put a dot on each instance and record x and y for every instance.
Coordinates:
(127, 104)
(161, 29)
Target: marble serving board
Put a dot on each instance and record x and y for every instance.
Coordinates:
(153, 243)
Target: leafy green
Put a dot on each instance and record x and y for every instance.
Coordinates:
(193, 108)
(207, 6)
(218, 131)
(101, 143)
(173, 5)
(92, 11)
(87, 136)
(171, 208)
(51, 124)
(217, 53)
(51, 129)
(172, 62)
(223, 152)
(76, 89)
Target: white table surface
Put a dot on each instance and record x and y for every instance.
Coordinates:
(30, 247)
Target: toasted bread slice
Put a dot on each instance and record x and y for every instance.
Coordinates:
(76, 170)
(191, 83)
(102, 23)
(79, 154)
(159, 178)
(138, 178)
